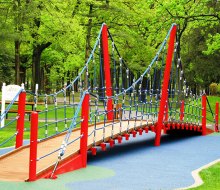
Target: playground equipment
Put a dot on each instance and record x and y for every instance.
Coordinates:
(112, 104)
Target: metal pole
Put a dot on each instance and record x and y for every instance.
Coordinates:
(84, 129)
(204, 115)
(216, 116)
(110, 114)
(182, 111)
(20, 121)
(33, 147)
(164, 95)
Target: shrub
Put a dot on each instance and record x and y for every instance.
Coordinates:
(218, 89)
(213, 89)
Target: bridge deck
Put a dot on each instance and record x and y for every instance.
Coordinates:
(14, 166)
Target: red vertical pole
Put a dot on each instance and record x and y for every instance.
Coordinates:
(182, 110)
(33, 147)
(164, 95)
(84, 129)
(204, 115)
(167, 110)
(216, 116)
(107, 72)
(20, 121)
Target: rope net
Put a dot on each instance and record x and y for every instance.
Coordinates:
(134, 100)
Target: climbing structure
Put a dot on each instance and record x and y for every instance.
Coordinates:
(106, 102)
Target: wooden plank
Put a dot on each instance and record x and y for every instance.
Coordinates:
(14, 166)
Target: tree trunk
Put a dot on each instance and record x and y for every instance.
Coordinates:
(36, 68)
(88, 41)
(17, 62)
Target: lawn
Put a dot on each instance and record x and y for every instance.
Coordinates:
(211, 178)
(55, 119)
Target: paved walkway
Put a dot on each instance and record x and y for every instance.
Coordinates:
(137, 164)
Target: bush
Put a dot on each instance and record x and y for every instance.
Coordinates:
(218, 89)
(213, 88)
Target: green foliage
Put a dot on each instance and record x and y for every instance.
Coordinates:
(211, 178)
(218, 89)
(138, 27)
(213, 89)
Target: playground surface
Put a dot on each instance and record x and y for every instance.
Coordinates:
(136, 164)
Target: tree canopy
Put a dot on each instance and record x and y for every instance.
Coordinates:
(47, 42)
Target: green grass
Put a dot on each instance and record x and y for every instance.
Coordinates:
(211, 178)
(70, 111)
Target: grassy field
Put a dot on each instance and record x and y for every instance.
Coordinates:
(47, 119)
(211, 178)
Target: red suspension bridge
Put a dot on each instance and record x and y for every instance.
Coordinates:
(113, 104)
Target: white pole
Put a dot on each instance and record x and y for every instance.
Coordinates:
(36, 96)
(3, 105)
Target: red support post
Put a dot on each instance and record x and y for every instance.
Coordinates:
(182, 110)
(107, 71)
(33, 147)
(167, 110)
(84, 129)
(216, 116)
(20, 121)
(164, 95)
(204, 115)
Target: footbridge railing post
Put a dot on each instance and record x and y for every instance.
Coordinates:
(164, 95)
(204, 99)
(107, 71)
(216, 116)
(20, 121)
(182, 110)
(33, 147)
(84, 129)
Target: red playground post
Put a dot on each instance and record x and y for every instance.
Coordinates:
(216, 116)
(20, 121)
(204, 115)
(164, 95)
(33, 147)
(84, 129)
(107, 71)
(182, 111)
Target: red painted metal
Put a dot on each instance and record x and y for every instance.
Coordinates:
(166, 112)
(204, 115)
(187, 126)
(182, 111)
(164, 95)
(178, 125)
(84, 129)
(20, 121)
(173, 125)
(126, 135)
(134, 133)
(140, 131)
(216, 116)
(182, 125)
(119, 138)
(107, 71)
(103, 146)
(111, 143)
(146, 129)
(73, 163)
(33, 147)
(94, 151)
